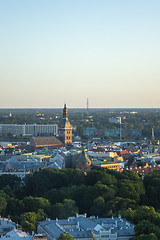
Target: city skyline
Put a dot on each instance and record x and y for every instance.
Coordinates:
(57, 51)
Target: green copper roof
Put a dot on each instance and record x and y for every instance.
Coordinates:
(83, 157)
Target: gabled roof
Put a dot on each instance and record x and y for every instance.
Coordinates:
(16, 234)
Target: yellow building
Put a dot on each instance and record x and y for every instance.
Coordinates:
(110, 165)
(65, 132)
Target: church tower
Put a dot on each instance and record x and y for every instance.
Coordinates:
(65, 132)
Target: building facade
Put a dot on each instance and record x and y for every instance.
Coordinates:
(29, 129)
(41, 130)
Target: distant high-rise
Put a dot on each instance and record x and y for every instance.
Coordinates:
(65, 130)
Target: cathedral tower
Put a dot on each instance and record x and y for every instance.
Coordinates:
(65, 131)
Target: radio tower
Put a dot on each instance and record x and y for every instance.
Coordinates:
(153, 134)
(120, 122)
(87, 107)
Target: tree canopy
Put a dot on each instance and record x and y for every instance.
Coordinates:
(63, 193)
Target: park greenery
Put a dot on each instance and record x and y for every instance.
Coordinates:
(63, 193)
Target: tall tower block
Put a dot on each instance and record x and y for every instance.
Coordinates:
(65, 131)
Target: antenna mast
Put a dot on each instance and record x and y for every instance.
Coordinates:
(87, 107)
(153, 134)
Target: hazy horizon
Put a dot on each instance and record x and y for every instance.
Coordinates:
(56, 51)
(83, 108)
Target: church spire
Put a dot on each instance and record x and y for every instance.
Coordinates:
(65, 112)
(65, 131)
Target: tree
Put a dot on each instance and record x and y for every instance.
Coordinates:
(150, 236)
(70, 208)
(146, 227)
(99, 176)
(146, 213)
(79, 195)
(129, 214)
(152, 185)
(65, 236)
(3, 204)
(102, 190)
(4, 195)
(64, 210)
(8, 191)
(130, 189)
(142, 213)
(32, 204)
(98, 208)
(10, 180)
(40, 216)
(121, 205)
(28, 221)
(130, 175)
(15, 207)
(56, 211)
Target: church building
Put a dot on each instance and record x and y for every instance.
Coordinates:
(65, 131)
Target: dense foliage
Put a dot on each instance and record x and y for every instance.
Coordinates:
(104, 193)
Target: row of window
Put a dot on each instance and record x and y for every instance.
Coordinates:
(117, 166)
(68, 132)
(68, 137)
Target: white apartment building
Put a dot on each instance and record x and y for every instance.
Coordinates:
(14, 129)
(41, 130)
(29, 129)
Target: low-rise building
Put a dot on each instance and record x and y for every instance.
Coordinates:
(6, 225)
(83, 228)
(102, 154)
(109, 165)
(18, 234)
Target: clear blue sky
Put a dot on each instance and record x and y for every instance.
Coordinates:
(52, 51)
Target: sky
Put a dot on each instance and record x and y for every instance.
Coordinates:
(57, 51)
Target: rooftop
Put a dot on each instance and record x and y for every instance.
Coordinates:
(83, 227)
(83, 157)
(46, 141)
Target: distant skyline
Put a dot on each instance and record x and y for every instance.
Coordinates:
(52, 52)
